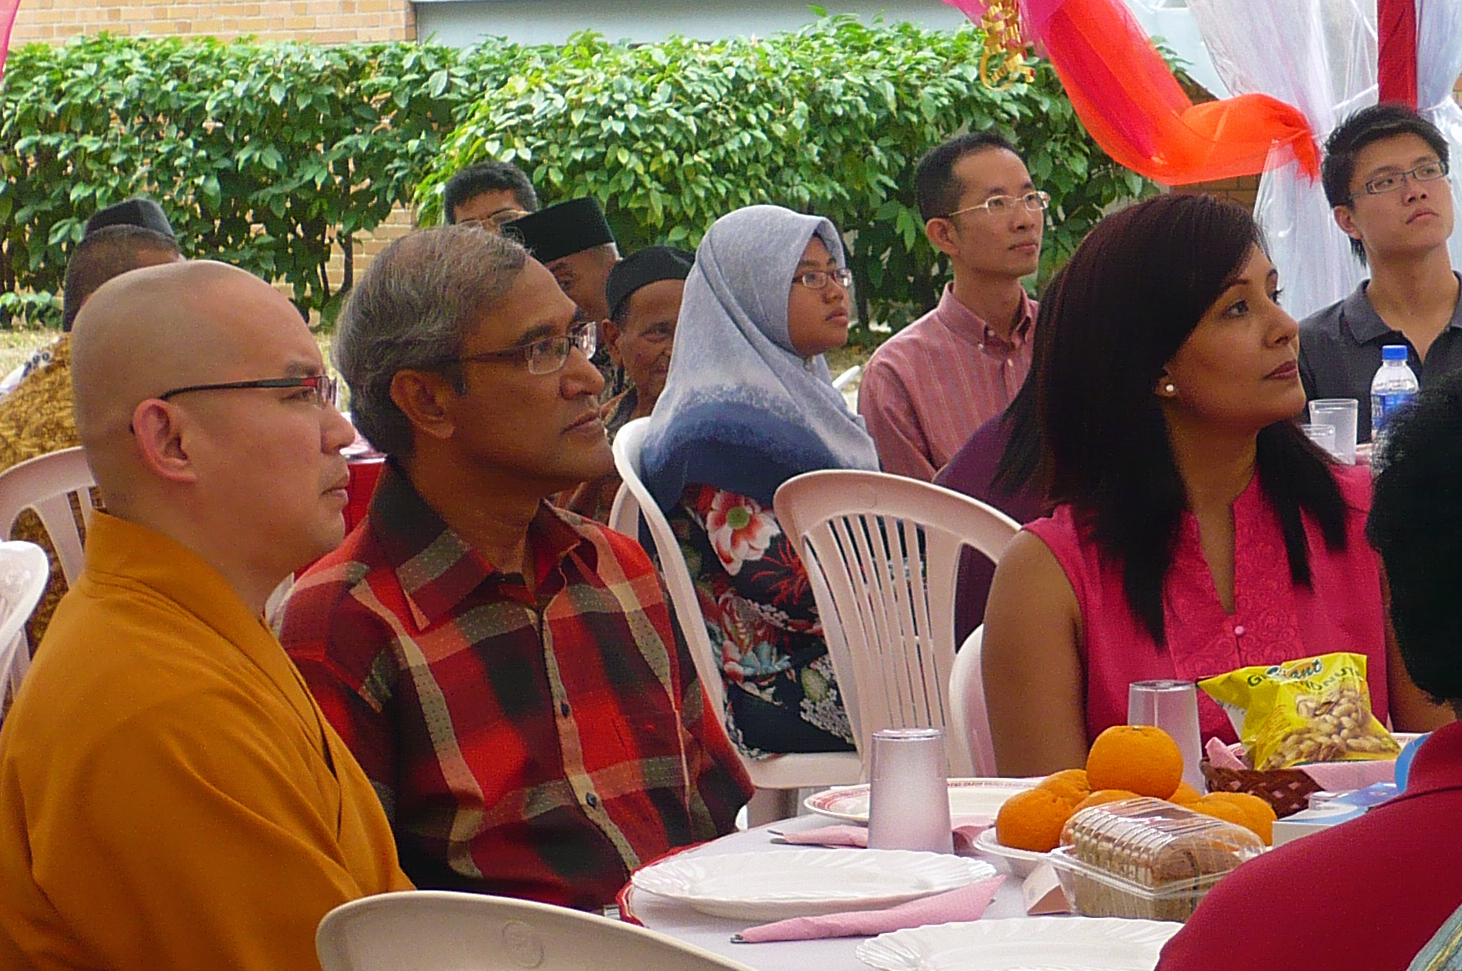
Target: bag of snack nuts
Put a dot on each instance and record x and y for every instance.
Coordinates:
(1316, 709)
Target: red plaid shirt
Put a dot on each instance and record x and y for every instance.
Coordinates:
(527, 746)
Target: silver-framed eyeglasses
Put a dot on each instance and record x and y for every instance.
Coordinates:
(546, 356)
(1425, 172)
(324, 387)
(817, 279)
(1001, 205)
(494, 221)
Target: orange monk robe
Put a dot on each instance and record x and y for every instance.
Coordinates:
(171, 798)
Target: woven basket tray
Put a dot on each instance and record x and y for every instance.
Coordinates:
(1287, 790)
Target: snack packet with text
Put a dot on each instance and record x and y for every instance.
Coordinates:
(1316, 709)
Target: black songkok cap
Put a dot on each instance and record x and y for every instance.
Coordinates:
(649, 265)
(133, 212)
(562, 230)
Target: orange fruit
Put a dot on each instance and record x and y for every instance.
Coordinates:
(1104, 795)
(1258, 813)
(1140, 758)
(1185, 795)
(1070, 783)
(1032, 820)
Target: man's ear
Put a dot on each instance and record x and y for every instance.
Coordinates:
(426, 399)
(942, 236)
(1345, 219)
(610, 333)
(159, 431)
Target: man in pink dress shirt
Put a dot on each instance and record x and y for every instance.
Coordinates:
(929, 387)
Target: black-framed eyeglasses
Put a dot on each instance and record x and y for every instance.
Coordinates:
(818, 279)
(1000, 205)
(546, 356)
(323, 386)
(1390, 182)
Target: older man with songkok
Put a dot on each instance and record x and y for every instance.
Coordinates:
(171, 798)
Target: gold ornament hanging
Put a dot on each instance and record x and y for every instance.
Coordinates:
(1002, 63)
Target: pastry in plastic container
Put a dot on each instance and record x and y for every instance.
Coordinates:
(1146, 858)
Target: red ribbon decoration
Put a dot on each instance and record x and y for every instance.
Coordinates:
(7, 22)
(1396, 55)
(1134, 108)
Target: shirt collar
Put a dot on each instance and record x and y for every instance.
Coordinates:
(970, 325)
(437, 568)
(1366, 325)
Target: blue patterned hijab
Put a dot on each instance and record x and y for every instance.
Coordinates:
(741, 409)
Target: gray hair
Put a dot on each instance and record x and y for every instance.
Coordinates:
(412, 310)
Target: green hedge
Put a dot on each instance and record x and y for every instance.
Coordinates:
(265, 154)
(262, 154)
(829, 119)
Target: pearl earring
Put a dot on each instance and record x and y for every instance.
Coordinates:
(1169, 387)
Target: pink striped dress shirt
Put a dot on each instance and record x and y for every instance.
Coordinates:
(928, 388)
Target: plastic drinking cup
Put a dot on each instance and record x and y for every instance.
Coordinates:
(1173, 707)
(908, 807)
(1341, 414)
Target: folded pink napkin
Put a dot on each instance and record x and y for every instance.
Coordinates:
(1330, 776)
(966, 829)
(966, 903)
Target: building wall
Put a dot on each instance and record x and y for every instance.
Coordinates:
(320, 21)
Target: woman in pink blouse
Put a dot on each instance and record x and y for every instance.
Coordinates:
(1196, 530)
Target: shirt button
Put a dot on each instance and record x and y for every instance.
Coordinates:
(563, 709)
(1238, 630)
(592, 800)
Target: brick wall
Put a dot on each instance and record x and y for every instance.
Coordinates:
(320, 21)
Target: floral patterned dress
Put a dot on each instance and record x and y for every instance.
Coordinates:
(781, 695)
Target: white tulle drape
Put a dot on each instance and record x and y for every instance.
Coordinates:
(1320, 56)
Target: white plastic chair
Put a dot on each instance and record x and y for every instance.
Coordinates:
(49, 484)
(439, 930)
(882, 553)
(24, 573)
(633, 503)
(969, 718)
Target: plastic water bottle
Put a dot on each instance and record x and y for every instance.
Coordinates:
(1392, 387)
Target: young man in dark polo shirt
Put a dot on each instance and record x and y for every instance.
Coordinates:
(1385, 174)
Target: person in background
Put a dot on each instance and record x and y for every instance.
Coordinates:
(574, 241)
(998, 466)
(1385, 175)
(507, 673)
(929, 386)
(644, 292)
(171, 797)
(36, 418)
(488, 194)
(1402, 858)
(749, 403)
(1195, 529)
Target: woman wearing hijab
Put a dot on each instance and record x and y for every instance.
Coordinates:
(748, 404)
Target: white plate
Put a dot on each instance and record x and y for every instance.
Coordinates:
(1048, 943)
(805, 883)
(967, 797)
(1021, 862)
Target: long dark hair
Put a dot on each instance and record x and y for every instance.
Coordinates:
(1019, 469)
(1134, 290)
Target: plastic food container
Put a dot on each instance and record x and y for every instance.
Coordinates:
(1146, 858)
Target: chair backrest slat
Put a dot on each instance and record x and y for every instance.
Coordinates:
(50, 484)
(882, 552)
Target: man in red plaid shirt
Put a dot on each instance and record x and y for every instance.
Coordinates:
(507, 673)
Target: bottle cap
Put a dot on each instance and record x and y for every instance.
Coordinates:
(1393, 352)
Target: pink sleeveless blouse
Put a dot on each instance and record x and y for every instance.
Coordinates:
(1273, 620)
